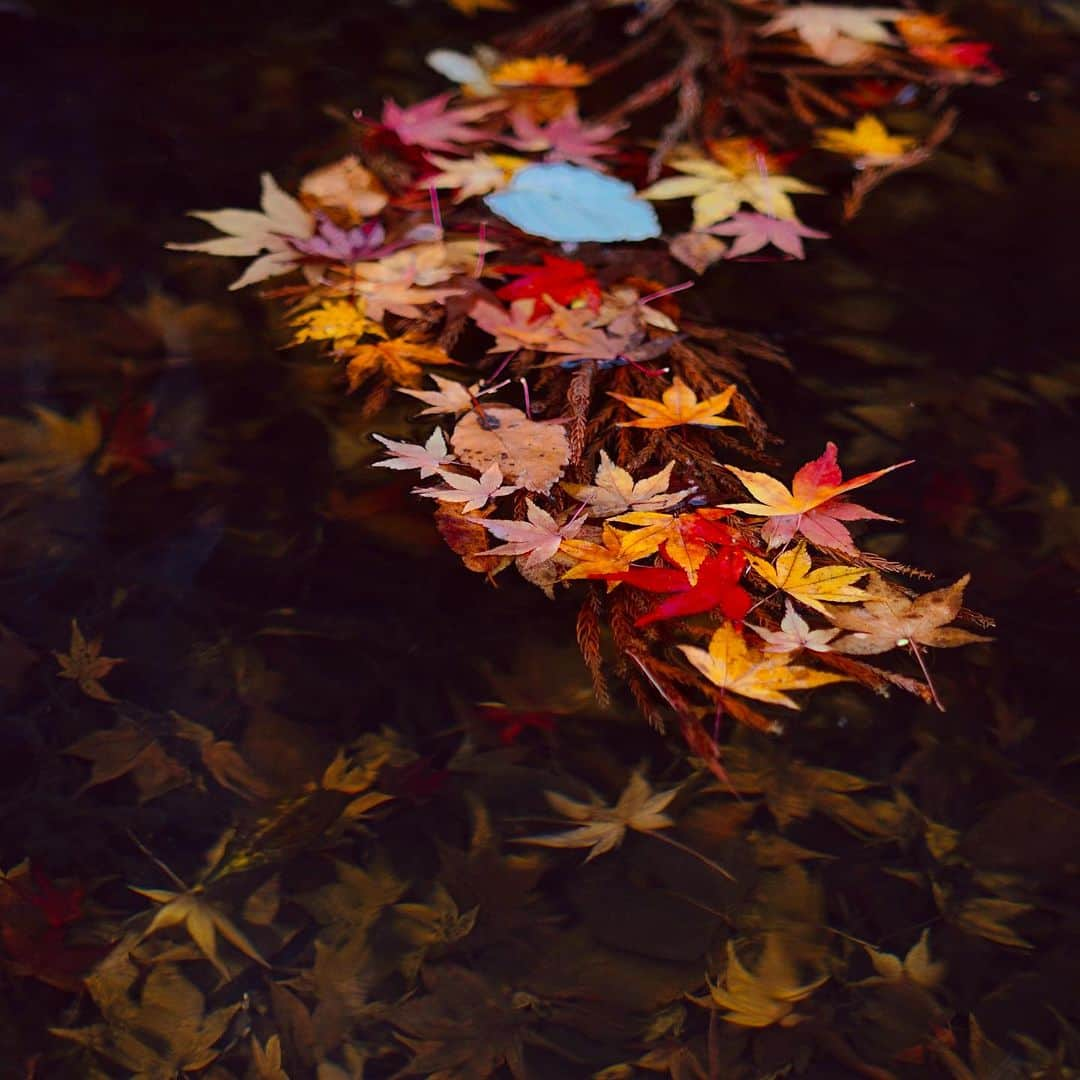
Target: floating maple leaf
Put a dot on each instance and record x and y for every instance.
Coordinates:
(563, 280)
(716, 588)
(84, 664)
(812, 506)
(837, 35)
(248, 232)
(604, 827)
(345, 191)
(615, 491)
(429, 458)
(540, 71)
(399, 359)
(351, 245)
(597, 560)
(479, 175)
(754, 231)
(433, 125)
(959, 57)
(565, 138)
(563, 331)
(890, 619)
(868, 143)
(679, 405)
(472, 493)
(792, 573)
(339, 322)
(698, 250)
(767, 995)
(730, 665)
(686, 539)
(718, 192)
(539, 537)
(794, 634)
(451, 397)
(530, 453)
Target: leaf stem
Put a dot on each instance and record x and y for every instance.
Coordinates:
(689, 851)
(917, 653)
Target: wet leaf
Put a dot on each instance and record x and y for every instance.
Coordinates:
(730, 665)
(768, 994)
(202, 921)
(84, 664)
(530, 454)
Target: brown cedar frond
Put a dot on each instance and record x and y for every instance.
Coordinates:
(588, 637)
(578, 396)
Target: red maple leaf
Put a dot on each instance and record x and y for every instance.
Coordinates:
(873, 93)
(717, 587)
(958, 56)
(130, 445)
(513, 723)
(34, 915)
(564, 280)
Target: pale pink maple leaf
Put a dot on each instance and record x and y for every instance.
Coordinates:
(518, 328)
(754, 231)
(794, 634)
(565, 138)
(429, 458)
(434, 126)
(539, 537)
(473, 493)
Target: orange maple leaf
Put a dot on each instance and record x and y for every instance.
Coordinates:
(679, 405)
(399, 358)
(685, 538)
(812, 506)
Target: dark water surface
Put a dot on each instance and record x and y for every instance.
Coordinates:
(940, 325)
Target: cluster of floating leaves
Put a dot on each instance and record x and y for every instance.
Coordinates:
(610, 468)
(314, 941)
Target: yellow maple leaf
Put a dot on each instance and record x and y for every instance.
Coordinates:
(869, 143)
(471, 7)
(679, 405)
(399, 358)
(340, 322)
(685, 538)
(51, 446)
(594, 560)
(201, 920)
(478, 175)
(767, 995)
(916, 965)
(718, 192)
(732, 666)
(792, 573)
